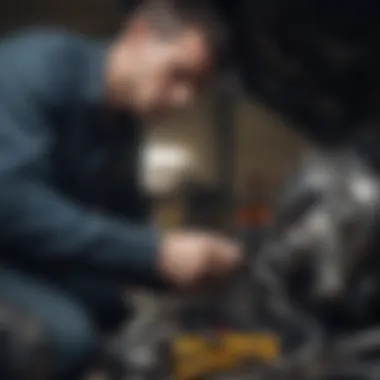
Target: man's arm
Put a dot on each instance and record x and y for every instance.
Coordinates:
(38, 219)
(128, 198)
(130, 202)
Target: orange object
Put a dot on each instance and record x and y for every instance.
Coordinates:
(254, 215)
(195, 357)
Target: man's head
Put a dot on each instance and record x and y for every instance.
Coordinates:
(167, 51)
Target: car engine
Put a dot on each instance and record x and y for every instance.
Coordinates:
(303, 307)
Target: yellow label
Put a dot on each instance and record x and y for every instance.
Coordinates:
(195, 356)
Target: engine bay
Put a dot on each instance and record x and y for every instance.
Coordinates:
(303, 306)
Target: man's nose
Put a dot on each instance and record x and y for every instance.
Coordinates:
(182, 96)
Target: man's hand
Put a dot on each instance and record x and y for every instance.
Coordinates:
(188, 260)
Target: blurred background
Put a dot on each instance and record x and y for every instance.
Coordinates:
(297, 68)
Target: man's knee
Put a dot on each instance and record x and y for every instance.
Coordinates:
(71, 335)
(74, 341)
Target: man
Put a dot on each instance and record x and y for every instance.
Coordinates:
(71, 216)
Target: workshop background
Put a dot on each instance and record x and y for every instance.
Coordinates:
(198, 161)
(305, 68)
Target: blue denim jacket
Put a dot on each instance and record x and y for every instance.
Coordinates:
(64, 157)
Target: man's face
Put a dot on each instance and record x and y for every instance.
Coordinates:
(168, 72)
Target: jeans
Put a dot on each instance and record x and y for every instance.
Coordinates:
(72, 330)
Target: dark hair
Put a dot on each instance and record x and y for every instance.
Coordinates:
(169, 16)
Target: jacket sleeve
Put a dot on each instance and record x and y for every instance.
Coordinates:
(42, 223)
(129, 201)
